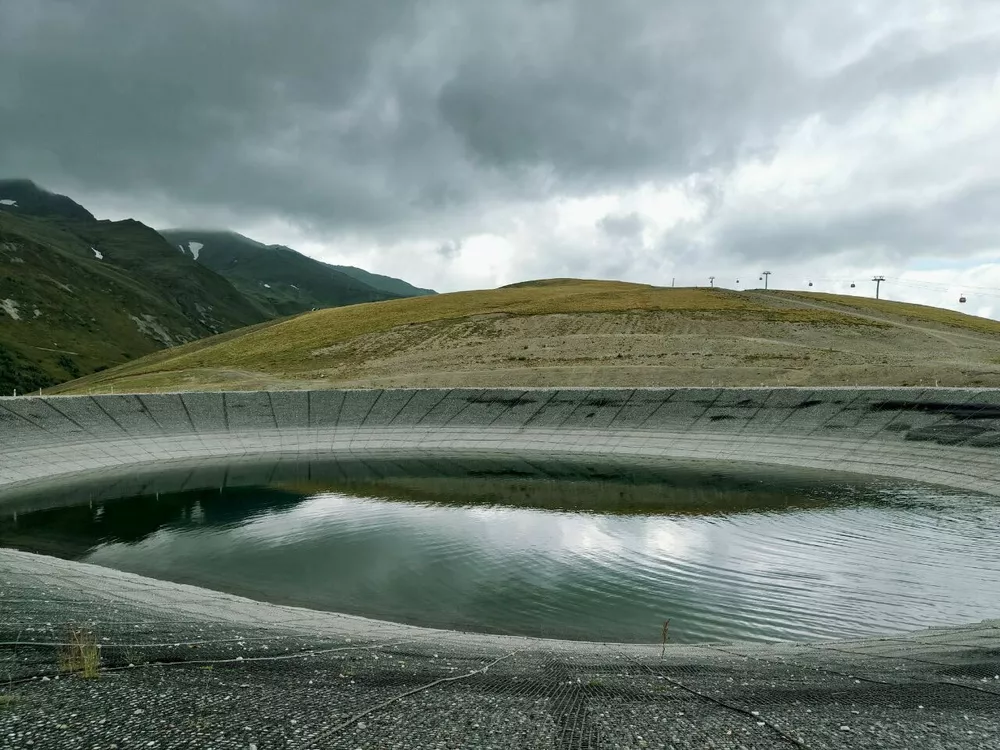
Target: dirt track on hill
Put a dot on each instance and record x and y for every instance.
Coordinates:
(587, 350)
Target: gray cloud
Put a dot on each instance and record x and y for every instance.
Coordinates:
(892, 232)
(450, 250)
(622, 226)
(386, 125)
(597, 91)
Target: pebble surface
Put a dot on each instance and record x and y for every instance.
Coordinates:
(185, 667)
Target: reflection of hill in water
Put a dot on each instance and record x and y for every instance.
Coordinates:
(604, 486)
(581, 496)
(71, 531)
(70, 520)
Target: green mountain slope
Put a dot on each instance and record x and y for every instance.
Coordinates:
(79, 295)
(281, 280)
(20, 196)
(389, 284)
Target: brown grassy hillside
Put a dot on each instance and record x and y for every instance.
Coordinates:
(573, 333)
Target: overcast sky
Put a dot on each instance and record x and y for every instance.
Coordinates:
(476, 143)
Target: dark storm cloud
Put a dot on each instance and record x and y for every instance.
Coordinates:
(604, 91)
(320, 109)
(249, 103)
(366, 112)
(415, 119)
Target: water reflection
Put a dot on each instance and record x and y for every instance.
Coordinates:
(560, 548)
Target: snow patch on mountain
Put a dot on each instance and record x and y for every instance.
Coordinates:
(97, 253)
(195, 248)
(8, 202)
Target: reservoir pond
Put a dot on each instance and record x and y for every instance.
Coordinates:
(554, 547)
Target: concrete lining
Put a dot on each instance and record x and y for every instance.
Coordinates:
(221, 671)
(945, 436)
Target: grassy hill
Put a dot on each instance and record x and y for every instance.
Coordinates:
(78, 294)
(281, 280)
(917, 313)
(567, 332)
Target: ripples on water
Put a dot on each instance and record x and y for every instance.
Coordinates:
(559, 549)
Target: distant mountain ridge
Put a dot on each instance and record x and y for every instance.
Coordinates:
(281, 280)
(22, 196)
(78, 294)
(386, 283)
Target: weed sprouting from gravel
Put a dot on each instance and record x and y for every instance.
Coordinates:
(8, 701)
(80, 655)
(666, 625)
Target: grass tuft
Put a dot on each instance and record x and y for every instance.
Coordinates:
(9, 701)
(81, 656)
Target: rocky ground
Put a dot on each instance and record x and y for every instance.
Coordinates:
(182, 667)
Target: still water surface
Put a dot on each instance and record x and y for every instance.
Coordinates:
(558, 549)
